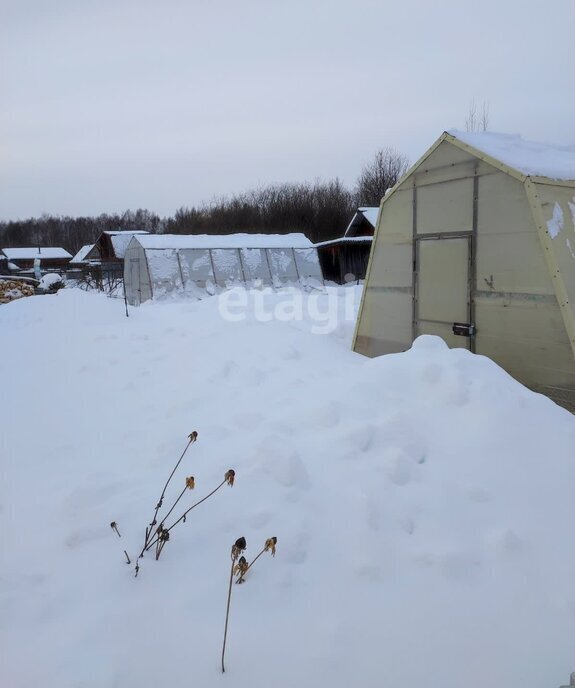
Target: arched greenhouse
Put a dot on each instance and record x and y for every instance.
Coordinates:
(158, 264)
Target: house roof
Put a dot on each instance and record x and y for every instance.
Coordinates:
(367, 213)
(125, 231)
(345, 240)
(31, 252)
(82, 253)
(205, 241)
(121, 239)
(370, 214)
(527, 157)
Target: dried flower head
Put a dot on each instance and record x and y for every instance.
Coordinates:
(190, 482)
(193, 436)
(238, 547)
(230, 476)
(270, 545)
(240, 569)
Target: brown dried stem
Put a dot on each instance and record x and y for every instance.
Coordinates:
(183, 516)
(192, 437)
(163, 537)
(237, 548)
(190, 483)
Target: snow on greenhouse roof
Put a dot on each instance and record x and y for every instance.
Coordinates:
(203, 241)
(31, 252)
(528, 157)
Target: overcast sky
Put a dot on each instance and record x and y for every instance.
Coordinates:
(115, 104)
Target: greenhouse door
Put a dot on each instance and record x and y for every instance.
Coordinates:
(442, 301)
(135, 286)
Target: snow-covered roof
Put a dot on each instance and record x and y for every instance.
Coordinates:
(121, 239)
(82, 253)
(125, 231)
(369, 213)
(527, 157)
(345, 240)
(31, 252)
(203, 241)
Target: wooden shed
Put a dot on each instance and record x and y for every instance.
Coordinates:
(476, 244)
(345, 259)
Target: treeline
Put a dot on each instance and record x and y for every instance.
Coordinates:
(320, 210)
(73, 232)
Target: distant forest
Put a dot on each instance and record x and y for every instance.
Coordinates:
(320, 210)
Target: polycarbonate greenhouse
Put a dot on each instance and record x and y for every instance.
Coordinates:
(476, 244)
(159, 264)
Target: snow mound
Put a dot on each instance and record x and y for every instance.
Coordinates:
(49, 280)
(423, 504)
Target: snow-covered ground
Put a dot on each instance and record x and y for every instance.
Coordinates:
(423, 504)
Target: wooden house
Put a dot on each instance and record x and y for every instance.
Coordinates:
(51, 257)
(345, 259)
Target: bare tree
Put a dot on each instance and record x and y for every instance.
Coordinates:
(475, 121)
(319, 209)
(386, 168)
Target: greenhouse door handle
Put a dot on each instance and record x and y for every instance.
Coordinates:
(464, 329)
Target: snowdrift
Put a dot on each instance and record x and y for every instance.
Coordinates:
(423, 504)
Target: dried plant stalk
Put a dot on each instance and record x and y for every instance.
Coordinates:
(270, 546)
(240, 569)
(163, 537)
(228, 479)
(190, 484)
(237, 548)
(192, 437)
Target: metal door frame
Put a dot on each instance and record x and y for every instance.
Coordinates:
(471, 260)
